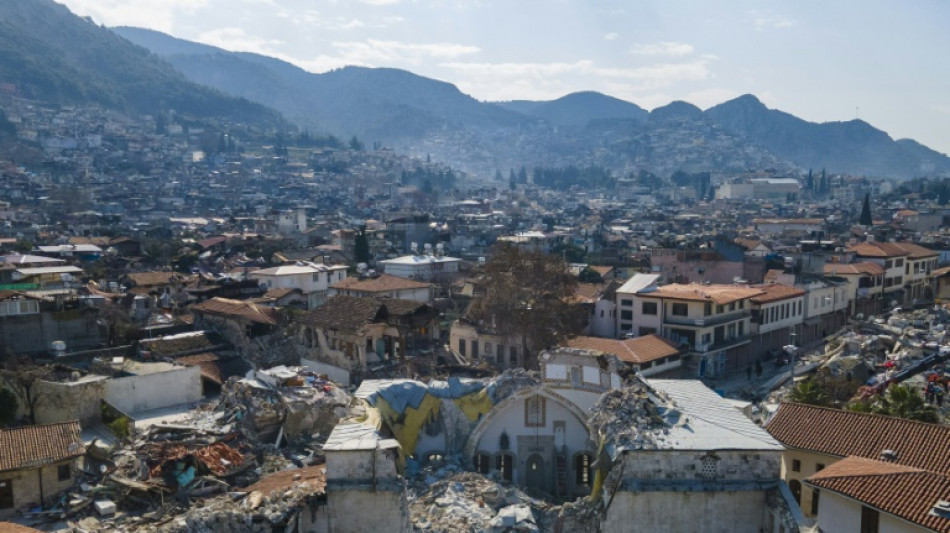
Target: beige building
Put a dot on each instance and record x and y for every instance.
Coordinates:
(816, 438)
(37, 463)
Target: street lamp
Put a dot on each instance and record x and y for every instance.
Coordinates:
(790, 350)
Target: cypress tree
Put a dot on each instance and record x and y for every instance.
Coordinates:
(865, 219)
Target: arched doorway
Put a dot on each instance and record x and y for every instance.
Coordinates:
(534, 472)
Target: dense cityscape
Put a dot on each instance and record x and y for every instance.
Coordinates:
(571, 315)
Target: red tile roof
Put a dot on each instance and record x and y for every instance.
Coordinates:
(637, 350)
(775, 292)
(878, 249)
(844, 433)
(905, 492)
(383, 283)
(239, 309)
(719, 294)
(33, 446)
(846, 269)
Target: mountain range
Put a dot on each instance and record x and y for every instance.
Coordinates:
(429, 116)
(49, 54)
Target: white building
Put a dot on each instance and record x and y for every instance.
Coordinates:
(424, 267)
(311, 278)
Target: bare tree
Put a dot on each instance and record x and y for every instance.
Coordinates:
(529, 295)
(22, 377)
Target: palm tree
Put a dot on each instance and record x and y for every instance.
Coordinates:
(809, 392)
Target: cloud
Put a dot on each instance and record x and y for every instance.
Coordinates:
(663, 48)
(499, 81)
(155, 14)
(237, 40)
(380, 2)
(764, 20)
(611, 36)
(373, 51)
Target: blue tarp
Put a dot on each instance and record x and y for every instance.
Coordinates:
(399, 396)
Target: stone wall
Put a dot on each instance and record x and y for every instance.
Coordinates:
(32, 334)
(151, 391)
(26, 485)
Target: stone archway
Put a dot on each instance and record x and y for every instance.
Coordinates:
(535, 476)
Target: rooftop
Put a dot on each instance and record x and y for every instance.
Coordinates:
(33, 446)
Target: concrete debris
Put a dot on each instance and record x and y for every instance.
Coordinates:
(451, 500)
(909, 346)
(629, 418)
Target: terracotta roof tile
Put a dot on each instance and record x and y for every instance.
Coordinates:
(351, 313)
(638, 350)
(844, 269)
(239, 309)
(33, 446)
(719, 294)
(904, 492)
(382, 283)
(878, 249)
(775, 292)
(314, 476)
(844, 433)
(149, 279)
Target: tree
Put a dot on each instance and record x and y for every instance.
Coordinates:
(810, 182)
(589, 275)
(900, 401)
(361, 246)
(8, 407)
(528, 295)
(356, 144)
(22, 377)
(865, 219)
(809, 392)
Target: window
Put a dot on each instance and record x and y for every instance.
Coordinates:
(720, 309)
(64, 472)
(707, 309)
(462, 347)
(796, 465)
(482, 462)
(819, 467)
(582, 470)
(710, 467)
(870, 519)
(503, 463)
(514, 356)
(488, 348)
(814, 502)
(732, 306)
(626, 303)
(648, 308)
(899, 263)
(647, 331)
(534, 411)
(626, 314)
(474, 349)
(680, 309)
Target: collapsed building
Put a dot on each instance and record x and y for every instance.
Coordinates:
(670, 455)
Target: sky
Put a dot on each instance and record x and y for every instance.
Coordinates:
(885, 62)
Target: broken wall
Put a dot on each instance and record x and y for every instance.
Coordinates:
(64, 401)
(137, 393)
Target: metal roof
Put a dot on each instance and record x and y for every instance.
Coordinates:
(709, 421)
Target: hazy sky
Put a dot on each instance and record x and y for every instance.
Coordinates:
(886, 62)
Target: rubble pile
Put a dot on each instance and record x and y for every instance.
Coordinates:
(284, 403)
(628, 418)
(468, 501)
(276, 504)
(510, 381)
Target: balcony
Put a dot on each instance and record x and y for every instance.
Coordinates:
(707, 321)
(724, 344)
